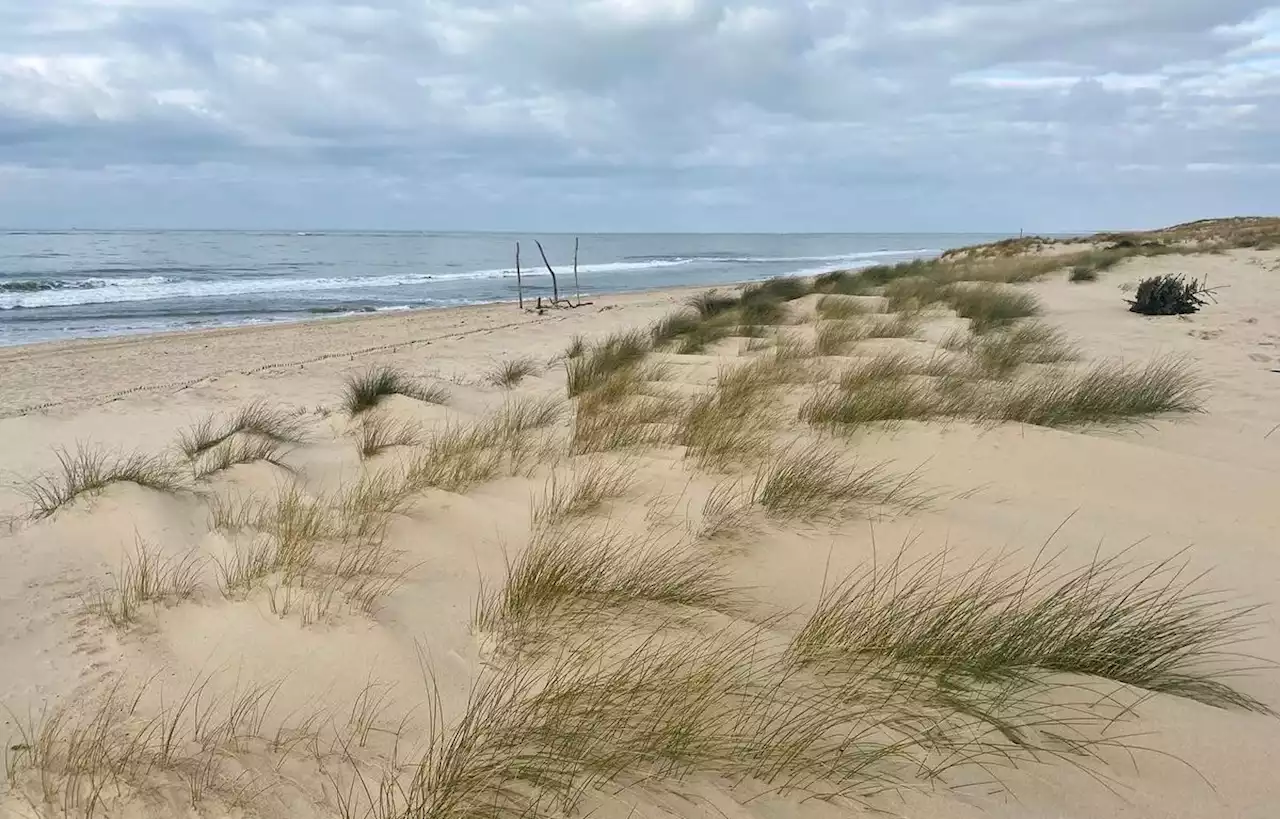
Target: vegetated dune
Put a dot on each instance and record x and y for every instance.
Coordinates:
(954, 538)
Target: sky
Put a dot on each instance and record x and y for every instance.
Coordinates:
(638, 115)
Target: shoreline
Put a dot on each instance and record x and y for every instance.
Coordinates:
(31, 370)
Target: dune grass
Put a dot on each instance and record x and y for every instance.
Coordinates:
(146, 577)
(674, 325)
(87, 471)
(734, 422)
(914, 293)
(576, 347)
(366, 390)
(818, 483)
(256, 419)
(580, 493)
(837, 337)
(895, 325)
(378, 433)
(237, 451)
(999, 354)
(604, 359)
(1106, 393)
(618, 416)
(884, 400)
(1145, 625)
(840, 308)
(566, 567)
(511, 372)
(712, 303)
(726, 511)
(1082, 273)
(989, 306)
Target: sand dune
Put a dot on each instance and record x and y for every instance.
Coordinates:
(516, 602)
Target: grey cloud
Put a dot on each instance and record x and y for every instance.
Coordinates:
(648, 114)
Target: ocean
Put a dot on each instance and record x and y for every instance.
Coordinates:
(88, 284)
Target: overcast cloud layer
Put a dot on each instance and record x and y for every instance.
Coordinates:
(637, 114)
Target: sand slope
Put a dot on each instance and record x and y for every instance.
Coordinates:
(1204, 486)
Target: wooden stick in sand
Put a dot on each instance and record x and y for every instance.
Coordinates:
(519, 283)
(555, 285)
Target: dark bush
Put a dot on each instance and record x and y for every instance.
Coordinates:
(1168, 296)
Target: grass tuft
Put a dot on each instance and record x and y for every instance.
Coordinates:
(837, 337)
(840, 308)
(378, 433)
(146, 577)
(620, 351)
(366, 390)
(816, 483)
(1144, 625)
(989, 306)
(581, 493)
(88, 471)
(1107, 393)
(237, 451)
(257, 419)
(1001, 353)
(509, 374)
(565, 568)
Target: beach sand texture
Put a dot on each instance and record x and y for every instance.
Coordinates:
(515, 602)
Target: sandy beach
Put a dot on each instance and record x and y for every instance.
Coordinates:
(247, 680)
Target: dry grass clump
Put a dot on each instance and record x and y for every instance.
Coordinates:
(568, 567)
(896, 325)
(462, 456)
(257, 419)
(580, 493)
(726, 511)
(837, 337)
(602, 360)
(838, 308)
(576, 348)
(885, 400)
(366, 390)
(236, 451)
(999, 354)
(817, 483)
(310, 553)
(510, 373)
(146, 577)
(674, 325)
(989, 306)
(712, 303)
(87, 471)
(1144, 625)
(734, 422)
(378, 433)
(1107, 393)
(914, 293)
(618, 415)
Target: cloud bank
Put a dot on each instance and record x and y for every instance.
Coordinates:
(569, 115)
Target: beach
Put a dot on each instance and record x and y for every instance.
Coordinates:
(329, 682)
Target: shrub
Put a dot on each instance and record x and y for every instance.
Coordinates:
(1083, 273)
(1168, 296)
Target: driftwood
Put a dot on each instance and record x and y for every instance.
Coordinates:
(555, 283)
(556, 301)
(519, 283)
(577, 290)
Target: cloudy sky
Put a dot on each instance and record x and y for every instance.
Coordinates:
(579, 115)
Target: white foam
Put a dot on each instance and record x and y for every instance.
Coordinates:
(151, 288)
